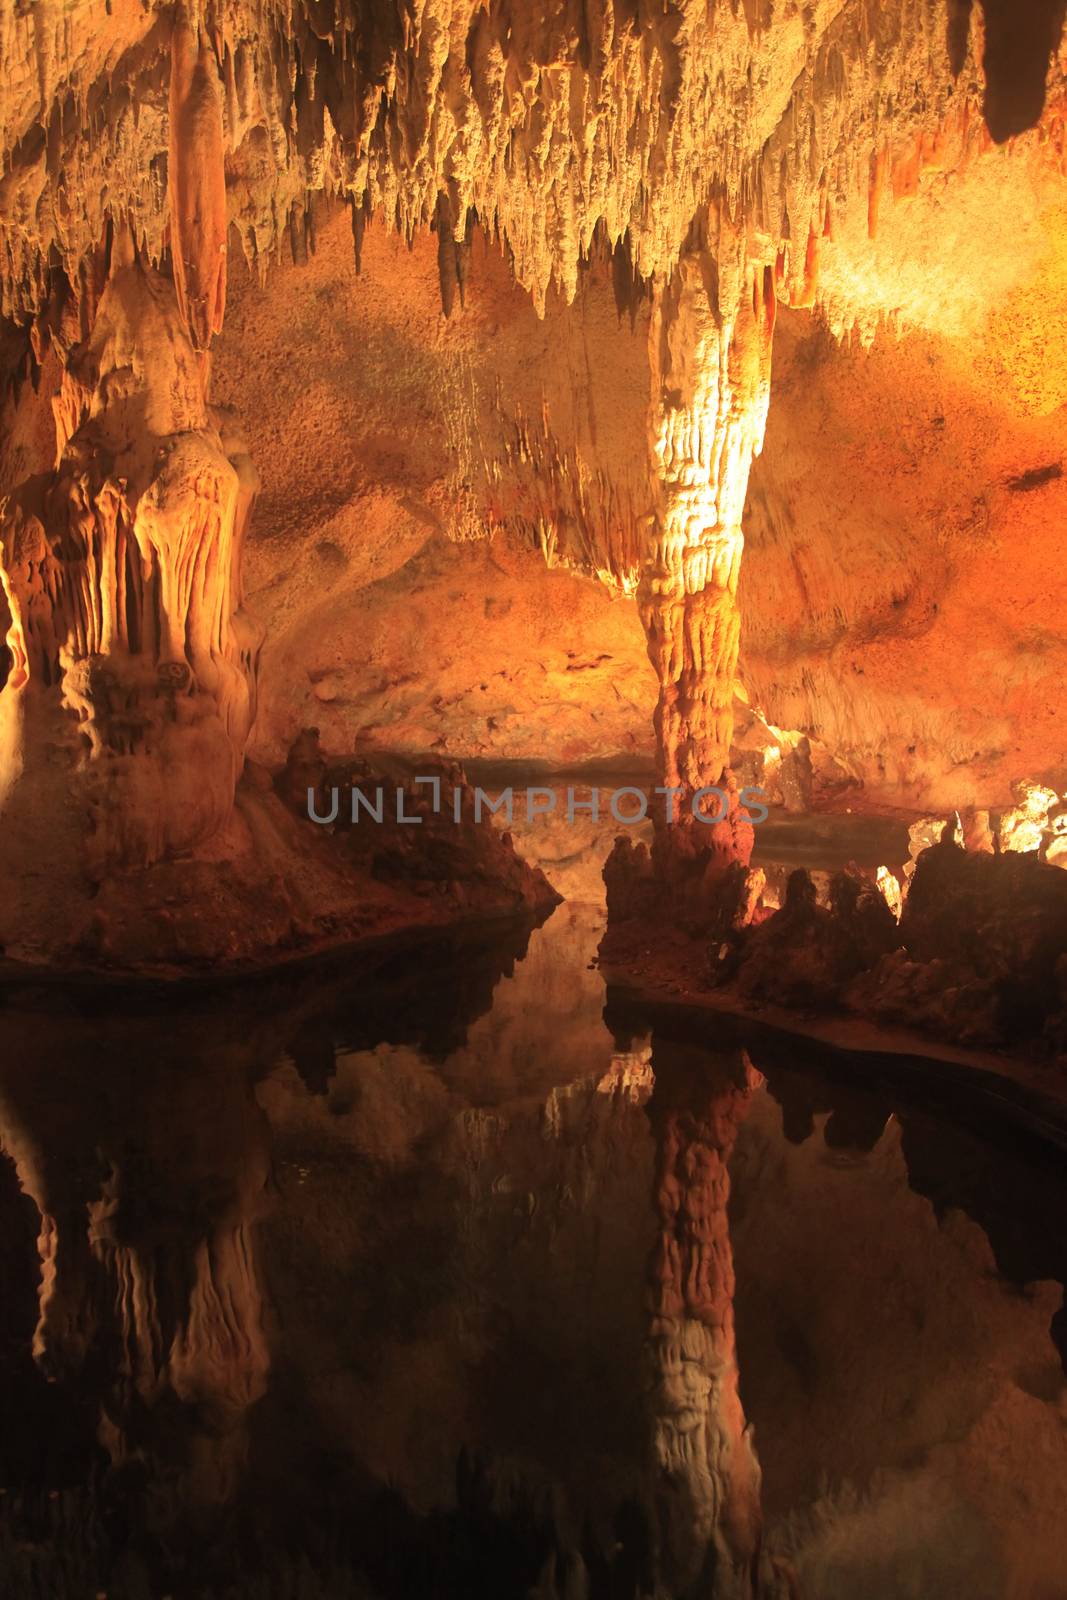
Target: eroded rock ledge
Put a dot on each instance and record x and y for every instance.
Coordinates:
(977, 958)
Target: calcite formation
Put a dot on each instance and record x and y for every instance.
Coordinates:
(131, 687)
(196, 170)
(711, 388)
(719, 161)
(707, 1477)
(543, 123)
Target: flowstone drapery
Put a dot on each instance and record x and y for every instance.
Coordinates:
(131, 689)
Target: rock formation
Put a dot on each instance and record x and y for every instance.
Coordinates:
(149, 1289)
(981, 957)
(131, 689)
(707, 1477)
(544, 126)
(710, 167)
(710, 341)
(975, 955)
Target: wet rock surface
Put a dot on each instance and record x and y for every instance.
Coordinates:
(984, 937)
(805, 954)
(977, 956)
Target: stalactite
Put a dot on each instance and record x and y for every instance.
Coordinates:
(463, 258)
(547, 130)
(446, 255)
(874, 200)
(358, 215)
(297, 235)
(197, 185)
(627, 286)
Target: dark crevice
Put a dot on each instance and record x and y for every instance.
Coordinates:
(1035, 477)
(1021, 37)
(959, 27)
(6, 661)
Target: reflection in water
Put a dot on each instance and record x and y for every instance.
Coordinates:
(147, 1162)
(416, 1280)
(708, 1480)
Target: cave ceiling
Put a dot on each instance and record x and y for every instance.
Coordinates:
(554, 125)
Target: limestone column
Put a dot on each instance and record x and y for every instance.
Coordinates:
(130, 691)
(706, 1482)
(710, 356)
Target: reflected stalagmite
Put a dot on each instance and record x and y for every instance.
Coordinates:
(707, 1476)
(149, 1185)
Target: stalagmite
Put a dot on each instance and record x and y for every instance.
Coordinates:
(131, 692)
(710, 356)
(707, 1476)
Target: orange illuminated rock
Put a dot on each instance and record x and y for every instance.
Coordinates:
(131, 688)
(544, 125)
(198, 219)
(889, 172)
(710, 353)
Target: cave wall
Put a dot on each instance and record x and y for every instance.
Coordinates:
(388, 441)
(902, 596)
(899, 594)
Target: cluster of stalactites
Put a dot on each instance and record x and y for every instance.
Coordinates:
(547, 125)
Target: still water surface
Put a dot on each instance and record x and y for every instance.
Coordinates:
(420, 1278)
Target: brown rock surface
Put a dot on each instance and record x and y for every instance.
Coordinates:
(584, 169)
(902, 593)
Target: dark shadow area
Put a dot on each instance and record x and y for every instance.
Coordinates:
(1036, 477)
(989, 1148)
(1020, 39)
(381, 1327)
